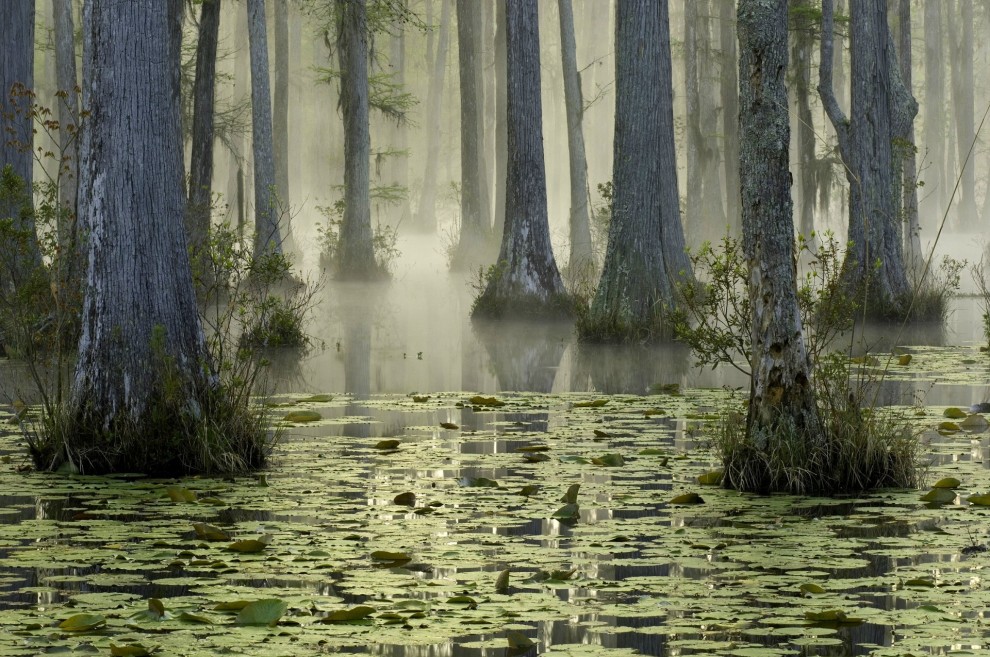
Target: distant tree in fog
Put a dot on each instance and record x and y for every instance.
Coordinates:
(525, 282)
(426, 218)
(267, 205)
(355, 254)
(475, 230)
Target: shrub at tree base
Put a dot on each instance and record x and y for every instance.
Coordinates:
(213, 434)
(861, 448)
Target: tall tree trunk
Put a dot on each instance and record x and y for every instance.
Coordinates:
(526, 282)
(782, 401)
(963, 104)
(645, 255)
(267, 205)
(280, 120)
(475, 212)
(68, 111)
(874, 264)
(581, 257)
(909, 204)
(501, 126)
(16, 139)
(142, 346)
(70, 260)
(201, 164)
(936, 182)
(356, 253)
(840, 40)
(730, 110)
(400, 134)
(426, 214)
(801, 44)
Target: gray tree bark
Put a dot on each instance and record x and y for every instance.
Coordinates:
(475, 209)
(936, 180)
(874, 264)
(781, 400)
(356, 253)
(802, 41)
(501, 127)
(70, 261)
(729, 86)
(580, 223)
(963, 106)
(645, 254)
(68, 110)
(909, 166)
(426, 213)
(400, 134)
(705, 214)
(139, 315)
(16, 139)
(280, 118)
(267, 204)
(201, 164)
(526, 281)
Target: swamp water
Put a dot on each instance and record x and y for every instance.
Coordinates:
(387, 521)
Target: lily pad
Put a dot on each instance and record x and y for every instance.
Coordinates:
(502, 582)
(208, 532)
(570, 497)
(609, 460)
(262, 612)
(300, 417)
(954, 413)
(180, 495)
(82, 623)
(479, 400)
(904, 359)
(405, 499)
(687, 498)
(251, 545)
(449, 425)
(597, 403)
(390, 443)
(518, 641)
(979, 500)
(947, 482)
(567, 512)
(348, 615)
(130, 650)
(939, 496)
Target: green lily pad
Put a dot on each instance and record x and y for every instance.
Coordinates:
(479, 400)
(954, 413)
(180, 495)
(502, 582)
(449, 425)
(405, 499)
(300, 417)
(348, 615)
(318, 399)
(129, 650)
(597, 403)
(387, 444)
(82, 623)
(251, 545)
(811, 588)
(567, 512)
(947, 482)
(518, 641)
(189, 617)
(979, 500)
(262, 612)
(939, 496)
(208, 532)
(570, 497)
(609, 460)
(687, 498)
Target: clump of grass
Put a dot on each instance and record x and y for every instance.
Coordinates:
(861, 447)
(933, 290)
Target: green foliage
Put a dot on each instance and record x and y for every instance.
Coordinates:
(715, 316)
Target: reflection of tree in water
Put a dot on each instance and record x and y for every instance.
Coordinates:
(357, 305)
(524, 355)
(632, 369)
(881, 337)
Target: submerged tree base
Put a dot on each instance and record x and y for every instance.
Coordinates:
(523, 306)
(860, 449)
(212, 435)
(623, 328)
